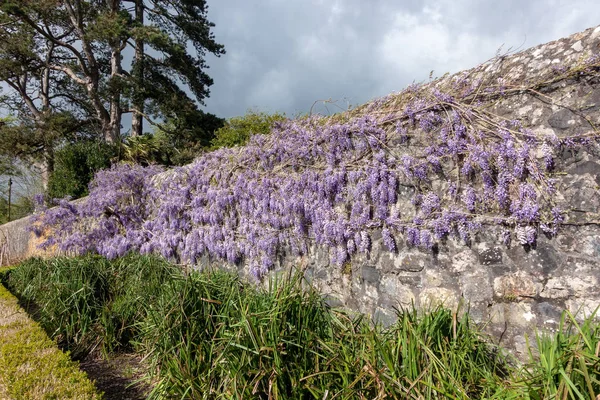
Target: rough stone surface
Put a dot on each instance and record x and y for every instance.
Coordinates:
(491, 256)
(14, 241)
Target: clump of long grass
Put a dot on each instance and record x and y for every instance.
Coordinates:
(211, 336)
(566, 365)
(65, 295)
(89, 302)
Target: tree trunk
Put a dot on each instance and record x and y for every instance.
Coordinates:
(137, 119)
(46, 166)
(113, 127)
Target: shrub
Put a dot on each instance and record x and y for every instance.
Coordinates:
(75, 166)
(180, 141)
(145, 149)
(238, 130)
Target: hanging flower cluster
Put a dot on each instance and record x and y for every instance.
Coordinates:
(438, 166)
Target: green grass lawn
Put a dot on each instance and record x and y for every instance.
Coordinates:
(31, 365)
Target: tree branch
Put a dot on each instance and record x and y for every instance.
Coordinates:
(28, 101)
(45, 80)
(70, 72)
(93, 74)
(57, 42)
(78, 25)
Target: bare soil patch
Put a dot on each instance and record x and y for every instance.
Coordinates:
(120, 377)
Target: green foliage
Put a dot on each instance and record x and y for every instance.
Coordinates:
(238, 130)
(211, 335)
(87, 301)
(69, 294)
(178, 142)
(219, 338)
(75, 166)
(145, 149)
(181, 25)
(31, 367)
(183, 138)
(567, 363)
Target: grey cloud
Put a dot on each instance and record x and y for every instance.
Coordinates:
(285, 55)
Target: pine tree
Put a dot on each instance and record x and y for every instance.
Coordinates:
(61, 62)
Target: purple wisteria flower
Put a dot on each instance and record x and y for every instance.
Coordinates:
(331, 182)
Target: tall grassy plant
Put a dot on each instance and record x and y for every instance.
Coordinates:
(424, 355)
(67, 296)
(90, 302)
(211, 336)
(567, 363)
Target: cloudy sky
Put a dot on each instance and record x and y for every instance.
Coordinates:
(283, 55)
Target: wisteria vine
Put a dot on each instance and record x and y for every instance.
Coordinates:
(333, 182)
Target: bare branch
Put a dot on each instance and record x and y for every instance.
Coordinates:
(71, 73)
(28, 101)
(57, 42)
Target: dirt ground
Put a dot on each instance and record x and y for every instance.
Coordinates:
(121, 377)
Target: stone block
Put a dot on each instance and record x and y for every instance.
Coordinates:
(562, 119)
(410, 262)
(583, 308)
(549, 314)
(515, 286)
(464, 261)
(477, 287)
(433, 278)
(370, 275)
(384, 317)
(555, 288)
(433, 297)
(392, 293)
(491, 256)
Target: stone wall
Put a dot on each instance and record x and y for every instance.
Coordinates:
(14, 241)
(511, 289)
(17, 243)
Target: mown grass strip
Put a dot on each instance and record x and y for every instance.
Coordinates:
(31, 366)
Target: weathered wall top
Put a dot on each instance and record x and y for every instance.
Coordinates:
(547, 60)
